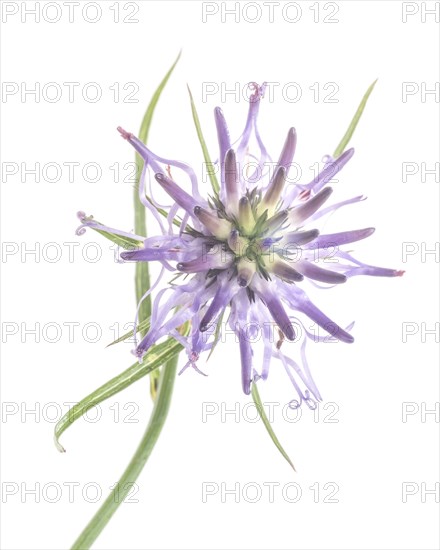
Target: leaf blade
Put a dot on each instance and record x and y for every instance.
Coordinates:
(124, 242)
(158, 355)
(138, 461)
(208, 162)
(257, 400)
(145, 325)
(354, 122)
(142, 273)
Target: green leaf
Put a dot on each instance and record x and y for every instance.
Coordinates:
(157, 356)
(142, 277)
(260, 409)
(144, 326)
(208, 162)
(350, 130)
(137, 463)
(148, 116)
(124, 242)
(142, 273)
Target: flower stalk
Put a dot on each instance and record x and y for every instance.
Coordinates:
(125, 484)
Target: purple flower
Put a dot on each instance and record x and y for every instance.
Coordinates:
(242, 256)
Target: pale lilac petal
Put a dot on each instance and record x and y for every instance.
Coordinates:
(288, 151)
(345, 237)
(222, 297)
(374, 271)
(304, 211)
(187, 202)
(317, 273)
(275, 308)
(222, 133)
(330, 171)
(334, 207)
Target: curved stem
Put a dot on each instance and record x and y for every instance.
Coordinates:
(140, 457)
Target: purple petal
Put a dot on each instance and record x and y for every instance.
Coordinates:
(154, 162)
(254, 105)
(288, 151)
(335, 207)
(302, 212)
(178, 319)
(223, 296)
(345, 237)
(285, 271)
(231, 182)
(330, 171)
(222, 133)
(221, 260)
(299, 238)
(88, 221)
(275, 308)
(275, 188)
(374, 271)
(325, 322)
(148, 255)
(313, 271)
(365, 269)
(187, 202)
(246, 361)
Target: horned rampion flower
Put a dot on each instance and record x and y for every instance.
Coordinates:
(242, 255)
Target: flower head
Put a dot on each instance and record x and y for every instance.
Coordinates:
(247, 251)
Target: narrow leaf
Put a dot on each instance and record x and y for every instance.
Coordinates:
(142, 273)
(148, 116)
(138, 461)
(157, 356)
(124, 242)
(208, 162)
(260, 409)
(142, 276)
(144, 326)
(350, 130)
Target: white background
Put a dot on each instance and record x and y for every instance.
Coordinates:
(370, 452)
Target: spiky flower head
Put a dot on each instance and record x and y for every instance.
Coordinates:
(243, 253)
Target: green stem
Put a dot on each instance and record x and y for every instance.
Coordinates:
(137, 463)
